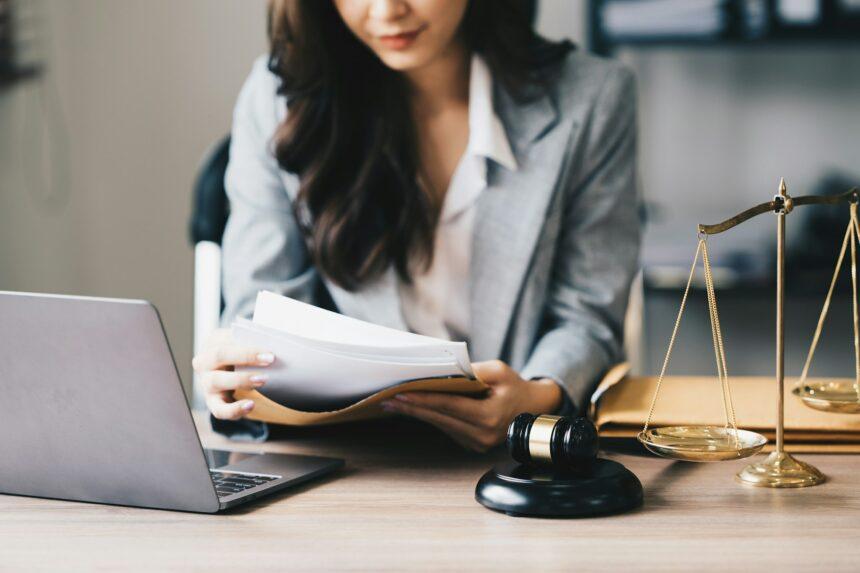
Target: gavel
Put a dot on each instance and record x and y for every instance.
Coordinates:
(561, 442)
(555, 472)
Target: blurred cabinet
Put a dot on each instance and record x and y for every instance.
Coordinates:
(615, 23)
(21, 39)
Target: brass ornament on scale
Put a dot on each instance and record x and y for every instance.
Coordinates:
(716, 443)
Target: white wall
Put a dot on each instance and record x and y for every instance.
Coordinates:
(558, 19)
(720, 126)
(137, 92)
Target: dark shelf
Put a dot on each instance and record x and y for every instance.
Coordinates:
(12, 77)
(720, 43)
(833, 28)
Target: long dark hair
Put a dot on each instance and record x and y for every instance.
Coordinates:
(350, 138)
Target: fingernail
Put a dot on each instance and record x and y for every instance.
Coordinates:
(258, 380)
(388, 406)
(247, 406)
(403, 398)
(265, 358)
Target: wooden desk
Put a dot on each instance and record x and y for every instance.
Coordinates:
(406, 503)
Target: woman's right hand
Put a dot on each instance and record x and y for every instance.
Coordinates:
(216, 364)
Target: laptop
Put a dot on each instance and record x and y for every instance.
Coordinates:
(92, 409)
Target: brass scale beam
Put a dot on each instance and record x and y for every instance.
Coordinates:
(850, 196)
(780, 469)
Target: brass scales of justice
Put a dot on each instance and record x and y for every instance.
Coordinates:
(704, 443)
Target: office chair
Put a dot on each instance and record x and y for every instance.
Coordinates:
(208, 218)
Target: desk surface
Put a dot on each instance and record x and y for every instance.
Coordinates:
(406, 502)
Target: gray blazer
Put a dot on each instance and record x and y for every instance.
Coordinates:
(555, 244)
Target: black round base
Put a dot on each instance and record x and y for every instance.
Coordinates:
(606, 487)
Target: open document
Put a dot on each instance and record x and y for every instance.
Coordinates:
(326, 361)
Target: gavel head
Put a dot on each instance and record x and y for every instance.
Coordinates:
(564, 443)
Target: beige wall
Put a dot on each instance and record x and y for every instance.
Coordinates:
(137, 92)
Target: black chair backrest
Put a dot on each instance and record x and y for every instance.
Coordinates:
(211, 208)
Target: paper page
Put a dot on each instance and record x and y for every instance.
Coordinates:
(311, 322)
(314, 379)
(417, 354)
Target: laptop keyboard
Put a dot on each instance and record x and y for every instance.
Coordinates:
(230, 483)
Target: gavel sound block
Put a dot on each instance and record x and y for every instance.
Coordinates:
(555, 472)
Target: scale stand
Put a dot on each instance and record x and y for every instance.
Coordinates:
(780, 469)
(715, 443)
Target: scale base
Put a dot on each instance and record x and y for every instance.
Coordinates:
(605, 488)
(779, 469)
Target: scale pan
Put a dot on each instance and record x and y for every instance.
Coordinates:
(835, 396)
(701, 443)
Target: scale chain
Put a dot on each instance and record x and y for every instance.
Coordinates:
(852, 235)
(719, 350)
(854, 226)
(708, 282)
(674, 335)
(849, 233)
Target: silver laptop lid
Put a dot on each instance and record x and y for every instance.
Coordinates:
(92, 408)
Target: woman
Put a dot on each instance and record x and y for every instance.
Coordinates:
(434, 165)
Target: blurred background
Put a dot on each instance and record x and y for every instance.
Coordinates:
(107, 108)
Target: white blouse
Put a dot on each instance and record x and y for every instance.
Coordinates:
(437, 301)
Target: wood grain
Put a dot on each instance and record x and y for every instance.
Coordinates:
(405, 502)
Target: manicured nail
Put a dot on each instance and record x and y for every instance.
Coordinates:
(403, 398)
(247, 406)
(258, 380)
(265, 358)
(388, 406)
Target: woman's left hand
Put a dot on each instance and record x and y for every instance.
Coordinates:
(481, 423)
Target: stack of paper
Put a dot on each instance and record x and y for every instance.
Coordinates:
(325, 361)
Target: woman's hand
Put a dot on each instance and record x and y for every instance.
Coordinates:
(215, 365)
(481, 423)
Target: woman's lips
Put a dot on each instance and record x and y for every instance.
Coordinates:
(400, 41)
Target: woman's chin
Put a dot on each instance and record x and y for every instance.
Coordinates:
(405, 60)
